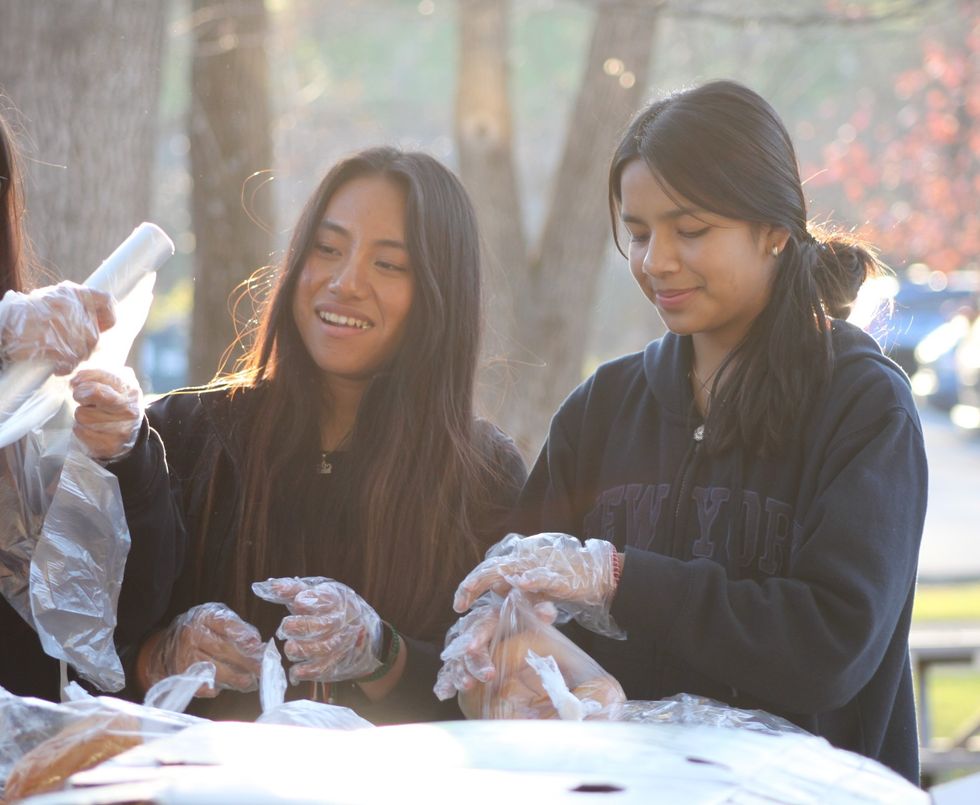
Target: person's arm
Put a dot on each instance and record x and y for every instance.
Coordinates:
(808, 642)
(151, 498)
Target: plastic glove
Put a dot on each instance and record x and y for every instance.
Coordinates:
(521, 693)
(59, 323)
(466, 658)
(208, 633)
(332, 634)
(109, 413)
(553, 566)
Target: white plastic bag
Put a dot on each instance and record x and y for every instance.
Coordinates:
(64, 545)
(301, 712)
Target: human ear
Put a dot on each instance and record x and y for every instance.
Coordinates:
(774, 239)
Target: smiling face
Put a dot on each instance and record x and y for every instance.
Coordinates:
(354, 292)
(709, 276)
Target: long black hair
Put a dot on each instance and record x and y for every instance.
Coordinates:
(14, 251)
(419, 465)
(722, 147)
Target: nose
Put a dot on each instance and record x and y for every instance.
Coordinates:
(659, 257)
(349, 278)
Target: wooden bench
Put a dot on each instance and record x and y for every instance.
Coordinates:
(928, 648)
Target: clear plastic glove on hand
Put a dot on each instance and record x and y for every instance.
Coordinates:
(511, 685)
(208, 633)
(332, 634)
(557, 567)
(60, 323)
(466, 658)
(109, 413)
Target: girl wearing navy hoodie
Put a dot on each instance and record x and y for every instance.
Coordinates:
(750, 489)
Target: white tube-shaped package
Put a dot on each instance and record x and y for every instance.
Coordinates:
(145, 250)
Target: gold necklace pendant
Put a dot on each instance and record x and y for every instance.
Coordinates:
(326, 466)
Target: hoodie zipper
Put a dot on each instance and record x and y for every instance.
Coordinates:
(698, 437)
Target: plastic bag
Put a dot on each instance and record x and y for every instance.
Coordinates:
(42, 744)
(302, 712)
(175, 692)
(540, 673)
(685, 708)
(64, 545)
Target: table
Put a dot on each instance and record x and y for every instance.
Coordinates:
(496, 762)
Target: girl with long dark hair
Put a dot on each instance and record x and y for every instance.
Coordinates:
(751, 487)
(346, 448)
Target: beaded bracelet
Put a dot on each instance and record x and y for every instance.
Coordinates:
(617, 567)
(388, 657)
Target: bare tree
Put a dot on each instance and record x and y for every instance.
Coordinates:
(230, 154)
(542, 289)
(541, 295)
(83, 80)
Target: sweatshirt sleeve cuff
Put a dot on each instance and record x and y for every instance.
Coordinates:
(652, 592)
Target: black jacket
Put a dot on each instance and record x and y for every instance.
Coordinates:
(801, 604)
(189, 423)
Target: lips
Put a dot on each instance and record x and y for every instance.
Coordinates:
(673, 298)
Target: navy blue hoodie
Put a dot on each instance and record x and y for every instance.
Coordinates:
(801, 604)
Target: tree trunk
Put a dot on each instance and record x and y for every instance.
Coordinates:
(485, 142)
(83, 79)
(544, 299)
(230, 142)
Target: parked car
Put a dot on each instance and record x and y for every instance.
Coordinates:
(919, 309)
(966, 412)
(934, 380)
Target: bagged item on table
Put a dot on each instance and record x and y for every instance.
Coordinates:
(684, 708)
(301, 712)
(42, 743)
(540, 673)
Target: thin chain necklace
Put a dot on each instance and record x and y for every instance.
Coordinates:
(704, 383)
(325, 467)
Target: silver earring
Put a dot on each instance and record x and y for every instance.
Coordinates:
(775, 251)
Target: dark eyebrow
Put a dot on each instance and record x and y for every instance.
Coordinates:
(672, 215)
(335, 227)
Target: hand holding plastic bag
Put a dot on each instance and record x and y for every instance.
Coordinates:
(515, 688)
(59, 324)
(109, 413)
(554, 566)
(466, 658)
(332, 634)
(207, 633)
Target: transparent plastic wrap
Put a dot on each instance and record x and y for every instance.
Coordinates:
(539, 673)
(685, 708)
(42, 744)
(301, 712)
(64, 544)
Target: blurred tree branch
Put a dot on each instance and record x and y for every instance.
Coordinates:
(851, 14)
